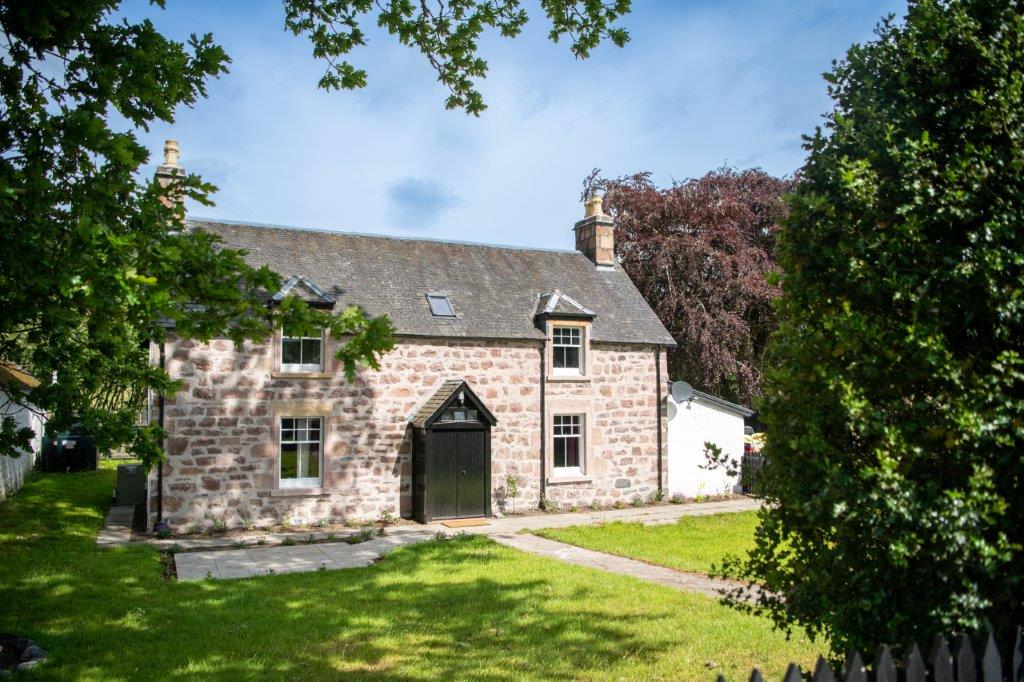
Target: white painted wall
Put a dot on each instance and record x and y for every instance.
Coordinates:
(690, 425)
(13, 469)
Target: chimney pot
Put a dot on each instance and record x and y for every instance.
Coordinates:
(595, 234)
(171, 153)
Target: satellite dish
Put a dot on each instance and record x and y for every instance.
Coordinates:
(681, 391)
(672, 410)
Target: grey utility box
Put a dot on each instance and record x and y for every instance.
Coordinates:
(131, 484)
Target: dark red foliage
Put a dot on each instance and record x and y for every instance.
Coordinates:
(701, 252)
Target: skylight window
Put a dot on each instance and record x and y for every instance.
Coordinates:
(440, 306)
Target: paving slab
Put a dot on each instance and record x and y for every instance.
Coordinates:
(570, 554)
(117, 531)
(195, 565)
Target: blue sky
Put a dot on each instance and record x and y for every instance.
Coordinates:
(701, 84)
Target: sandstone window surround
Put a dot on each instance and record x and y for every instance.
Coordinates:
(569, 441)
(288, 430)
(301, 357)
(568, 355)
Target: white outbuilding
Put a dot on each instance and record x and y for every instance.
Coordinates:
(13, 384)
(696, 418)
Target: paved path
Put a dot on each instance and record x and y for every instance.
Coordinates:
(509, 524)
(262, 560)
(245, 563)
(690, 582)
(118, 528)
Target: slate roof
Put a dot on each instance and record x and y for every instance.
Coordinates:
(556, 304)
(741, 410)
(493, 289)
(441, 396)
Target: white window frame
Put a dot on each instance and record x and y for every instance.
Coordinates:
(317, 366)
(301, 424)
(578, 332)
(569, 431)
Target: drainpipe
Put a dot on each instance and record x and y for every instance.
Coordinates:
(657, 406)
(160, 467)
(543, 421)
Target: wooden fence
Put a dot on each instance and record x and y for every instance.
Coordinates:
(943, 665)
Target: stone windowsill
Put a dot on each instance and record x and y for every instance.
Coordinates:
(301, 375)
(299, 492)
(570, 479)
(570, 378)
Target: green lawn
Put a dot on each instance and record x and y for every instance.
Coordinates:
(694, 543)
(457, 609)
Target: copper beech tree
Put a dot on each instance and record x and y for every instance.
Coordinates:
(702, 252)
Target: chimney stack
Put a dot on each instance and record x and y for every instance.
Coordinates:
(595, 234)
(168, 170)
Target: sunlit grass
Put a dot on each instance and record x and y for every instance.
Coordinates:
(694, 543)
(459, 609)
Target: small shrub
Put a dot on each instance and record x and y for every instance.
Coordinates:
(288, 541)
(574, 508)
(286, 523)
(261, 540)
(440, 536)
(657, 496)
(164, 533)
(677, 498)
(239, 544)
(637, 501)
(593, 506)
(331, 537)
(619, 504)
(310, 539)
(512, 488)
(219, 526)
(388, 518)
(364, 534)
(548, 505)
(322, 522)
(247, 523)
(193, 530)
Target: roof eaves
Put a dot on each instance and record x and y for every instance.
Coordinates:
(722, 402)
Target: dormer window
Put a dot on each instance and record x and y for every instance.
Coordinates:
(567, 350)
(301, 353)
(440, 306)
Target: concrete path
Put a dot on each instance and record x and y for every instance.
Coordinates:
(263, 560)
(509, 524)
(246, 563)
(570, 554)
(118, 528)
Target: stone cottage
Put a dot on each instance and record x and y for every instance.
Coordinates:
(541, 364)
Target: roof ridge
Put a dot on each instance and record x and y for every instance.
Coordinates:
(351, 233)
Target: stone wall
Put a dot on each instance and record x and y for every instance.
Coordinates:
(223, 456)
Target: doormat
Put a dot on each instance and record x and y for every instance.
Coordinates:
(464, 523)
